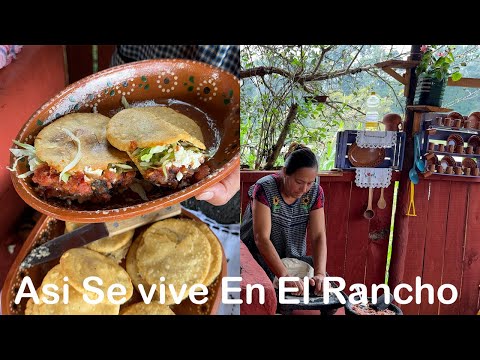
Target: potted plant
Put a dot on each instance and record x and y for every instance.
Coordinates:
(436, 66)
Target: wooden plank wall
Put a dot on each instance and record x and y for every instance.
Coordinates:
(357, 248)
(80, 60)
(444, 245)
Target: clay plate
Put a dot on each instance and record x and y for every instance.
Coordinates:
(365, 157)
(448, 160)
(455, 115)
(474, 119)
(433, 160)
(469, 163)
(208, 94)
(474, 141)
(457, 139)
(475, 114)
(46, 229)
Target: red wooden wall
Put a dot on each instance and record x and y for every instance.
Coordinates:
(442, 245)
(357, 248)
(36, 75)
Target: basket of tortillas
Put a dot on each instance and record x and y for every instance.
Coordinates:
(172, 266)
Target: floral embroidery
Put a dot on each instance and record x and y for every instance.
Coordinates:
(305, 202)
(276, 203)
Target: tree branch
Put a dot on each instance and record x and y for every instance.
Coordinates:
(355, 57)
(281, 139)
(322, 55)
(390, 86)
(268, 70)
(347, 105)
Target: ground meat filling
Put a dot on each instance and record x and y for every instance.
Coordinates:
(171, 180)
(80, 187)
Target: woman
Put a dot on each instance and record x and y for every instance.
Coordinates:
(282, 207)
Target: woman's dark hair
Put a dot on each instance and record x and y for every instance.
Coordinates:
(299, 156)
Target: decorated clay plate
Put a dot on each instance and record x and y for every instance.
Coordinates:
(432, 161)
(474, 120)
(455, 139)
(474, 141)
(475, 114)
(365, 157)
(48, 228)
(455, 115)
(447, 160)
(209, 94)
(469, 163)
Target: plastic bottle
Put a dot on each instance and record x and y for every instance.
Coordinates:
(372, 115)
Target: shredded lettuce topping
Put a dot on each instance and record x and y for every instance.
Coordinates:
(64, 176)
(163, 157)
(120, 168)
(125, 103)
(26, 151)
(138, 188)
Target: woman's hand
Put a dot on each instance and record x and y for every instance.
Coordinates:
(222, 192)
(298, 284)
(317, 282)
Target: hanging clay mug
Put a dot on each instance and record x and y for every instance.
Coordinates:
(392, 122)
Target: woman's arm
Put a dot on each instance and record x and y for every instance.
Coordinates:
(318, 236)
(262, 226)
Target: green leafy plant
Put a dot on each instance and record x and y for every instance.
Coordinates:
(438, 62)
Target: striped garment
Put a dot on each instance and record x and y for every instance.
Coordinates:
(289, 222)
(226, 57)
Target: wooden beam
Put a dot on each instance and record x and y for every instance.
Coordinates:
(464, 82)
(404, 79)
(395, 75)
(398, 64)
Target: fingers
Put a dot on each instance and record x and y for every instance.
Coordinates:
(295, 284)
(222, 192)
(299, 284)
(318, 286)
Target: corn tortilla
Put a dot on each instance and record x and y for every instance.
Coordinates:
(154, 308)
(177, 250)
(76, 304)
(80, 263)
(151, 126)
(57, 149)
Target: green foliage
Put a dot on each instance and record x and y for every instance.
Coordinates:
(439, 64)
(265, 101)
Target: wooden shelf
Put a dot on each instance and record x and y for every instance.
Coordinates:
(455, 130)
(455, 154)
(450, 177)
(428, 108)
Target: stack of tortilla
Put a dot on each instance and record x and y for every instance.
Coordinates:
(179, 250)
(75, 266)
(114, 247)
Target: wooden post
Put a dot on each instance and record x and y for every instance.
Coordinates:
(79, 58)
(400, 233)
